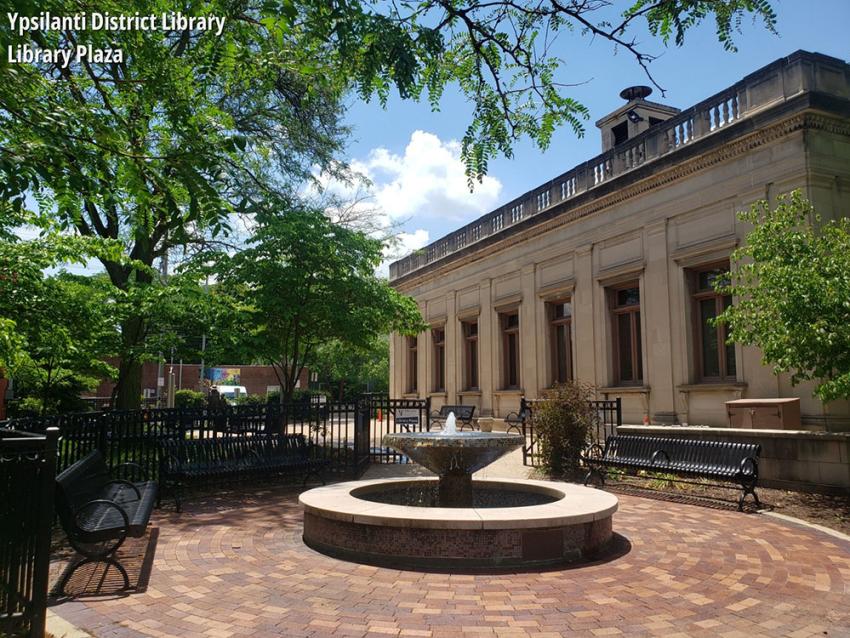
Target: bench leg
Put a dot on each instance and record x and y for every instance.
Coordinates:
(316, 473)
(597, 472)
(178, 497)
(748, 489)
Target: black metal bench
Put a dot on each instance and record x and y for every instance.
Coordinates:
(236, 457)
(463, 415)
(98, 512)
(717, 460)
(515, 420)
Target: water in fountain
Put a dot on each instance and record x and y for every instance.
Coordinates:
(450, 428)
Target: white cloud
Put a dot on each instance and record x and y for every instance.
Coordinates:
(426, 182)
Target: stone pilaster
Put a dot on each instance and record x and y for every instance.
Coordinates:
(529, 379)
(584, 346)
(488, 348)
(655, 319)
(454, 350)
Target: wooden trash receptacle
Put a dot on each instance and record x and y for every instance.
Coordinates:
(764, 414)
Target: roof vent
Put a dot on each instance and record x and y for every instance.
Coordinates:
(635, 93)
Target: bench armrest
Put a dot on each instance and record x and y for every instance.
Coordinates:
(593, 452)
(129, 464)
(754, 462)
(100, 501)
(655, 455)
(127, 483)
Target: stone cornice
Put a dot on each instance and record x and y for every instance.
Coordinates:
(721, 150)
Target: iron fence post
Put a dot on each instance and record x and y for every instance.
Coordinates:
(44, 532)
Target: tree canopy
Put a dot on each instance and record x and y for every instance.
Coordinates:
(304, 281)
(792, 284)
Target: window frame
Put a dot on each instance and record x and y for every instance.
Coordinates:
(554, 324)
(698, 295)
(439, 354)
(412, 365)
(471, 377)
(634, 312)
(506, 333)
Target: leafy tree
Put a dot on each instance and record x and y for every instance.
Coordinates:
(162, 149)
(354, 369)
(66, 333)
(792, 284)
(502, 54)
(304, 281)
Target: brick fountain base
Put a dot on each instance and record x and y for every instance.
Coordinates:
(574, 527)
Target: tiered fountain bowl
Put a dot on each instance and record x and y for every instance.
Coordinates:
(453, 521)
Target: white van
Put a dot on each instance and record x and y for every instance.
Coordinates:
(230, 392)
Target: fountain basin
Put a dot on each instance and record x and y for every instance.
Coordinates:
(575, 526)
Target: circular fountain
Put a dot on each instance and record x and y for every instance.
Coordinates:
(454, 521)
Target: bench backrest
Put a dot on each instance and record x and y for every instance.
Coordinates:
(78, 484)
(231, 449)
(462, 412)
(725, 455)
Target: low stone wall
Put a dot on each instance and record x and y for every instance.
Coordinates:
(790, 459)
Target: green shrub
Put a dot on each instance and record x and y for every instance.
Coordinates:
(29, 407)
(189, 399)
(563, 422)
(251, 399)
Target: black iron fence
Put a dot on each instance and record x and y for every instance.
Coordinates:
(27, 471)
(608, 416)
(387, 416)
(136, 435)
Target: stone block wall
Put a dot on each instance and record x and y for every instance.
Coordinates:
(790, 459)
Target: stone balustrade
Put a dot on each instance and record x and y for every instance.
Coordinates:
(771, 85)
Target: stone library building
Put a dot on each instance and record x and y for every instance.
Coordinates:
(604, 274)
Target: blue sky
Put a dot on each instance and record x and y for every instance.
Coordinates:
(410, 153)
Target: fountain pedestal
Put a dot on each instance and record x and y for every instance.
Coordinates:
(454, 456)
(455, 489)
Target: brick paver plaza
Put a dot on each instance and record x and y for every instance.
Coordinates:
(235, 565)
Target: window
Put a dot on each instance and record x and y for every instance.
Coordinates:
(715, 358)
(560, 319)
(510, 349)
(412, 363)
(621, 133)
(438, 336)
(470, 355)
(625, 312)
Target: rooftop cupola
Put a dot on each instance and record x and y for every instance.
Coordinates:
(633, 118)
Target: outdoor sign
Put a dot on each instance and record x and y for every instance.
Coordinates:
(223, 376)
(407, 417)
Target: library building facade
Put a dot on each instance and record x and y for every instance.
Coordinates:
(605, 274)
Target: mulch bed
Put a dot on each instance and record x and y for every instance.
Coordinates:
(832, 511)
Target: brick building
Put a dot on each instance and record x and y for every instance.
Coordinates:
(256, 379)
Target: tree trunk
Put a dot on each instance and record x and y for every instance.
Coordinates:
(128, 391)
